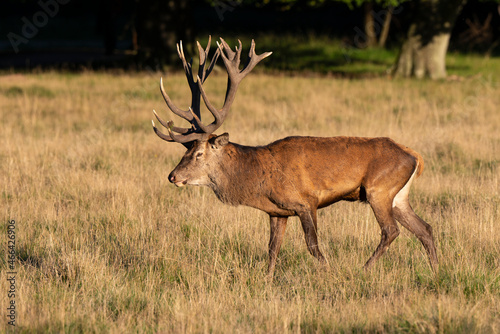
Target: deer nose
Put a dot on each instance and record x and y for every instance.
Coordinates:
(171, 178)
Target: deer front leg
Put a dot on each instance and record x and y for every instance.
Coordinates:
(310, 226)
(278, 226)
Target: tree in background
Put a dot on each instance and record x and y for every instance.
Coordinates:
(423, 53)
(376, 24)
(160, 24)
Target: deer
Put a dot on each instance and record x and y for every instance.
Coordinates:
(293, 176)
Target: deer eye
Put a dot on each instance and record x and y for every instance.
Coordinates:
(199, 155)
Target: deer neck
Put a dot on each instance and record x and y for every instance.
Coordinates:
(238, 175)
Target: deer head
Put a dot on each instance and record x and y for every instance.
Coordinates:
(204, 148)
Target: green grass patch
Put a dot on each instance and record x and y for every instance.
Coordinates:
(313, 53)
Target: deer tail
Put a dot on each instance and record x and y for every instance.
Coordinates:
(420, 163)
(418, 158)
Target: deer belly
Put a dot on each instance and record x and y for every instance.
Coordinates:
(327, 197)
(273, 208)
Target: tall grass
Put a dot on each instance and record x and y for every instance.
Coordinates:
(106, 244)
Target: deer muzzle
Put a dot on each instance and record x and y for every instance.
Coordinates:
(175, 180)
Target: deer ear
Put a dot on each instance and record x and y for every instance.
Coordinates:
(220, 141)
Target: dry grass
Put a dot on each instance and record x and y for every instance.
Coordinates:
(106, 244)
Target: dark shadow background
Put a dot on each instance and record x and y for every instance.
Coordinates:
(77, 34)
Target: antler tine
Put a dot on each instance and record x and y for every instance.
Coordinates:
(162, 122)
(203, 58)
(227, 48)
(187, 138)
(170, 124)
(171, 136)
(237, 56)
(176, 110)
(187, 66)
(202, 73)
(227, 56)
(182, 138)
(253, 58)
(208, 44)
(202, 126)
(161, 134)
(231, 61)
(219, 117)
(212, 63)
(251, 52)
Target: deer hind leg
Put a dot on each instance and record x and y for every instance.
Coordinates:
(405, 215)
(278, 226)
(383, 212)
(310, 227)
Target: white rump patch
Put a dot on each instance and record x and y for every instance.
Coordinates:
(402, 196)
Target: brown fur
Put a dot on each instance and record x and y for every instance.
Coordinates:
(295, 176)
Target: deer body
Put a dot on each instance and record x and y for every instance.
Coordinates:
(295, 176)
(295, 172)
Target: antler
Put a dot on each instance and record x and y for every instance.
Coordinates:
(199, 131)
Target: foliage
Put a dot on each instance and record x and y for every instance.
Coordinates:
(290, 4)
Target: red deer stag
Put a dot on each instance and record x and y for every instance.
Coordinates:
(294, 176)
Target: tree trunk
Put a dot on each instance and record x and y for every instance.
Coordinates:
(371, 34)
(424, 51)
(385, 27)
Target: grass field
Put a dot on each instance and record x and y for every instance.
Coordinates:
(106, 244)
